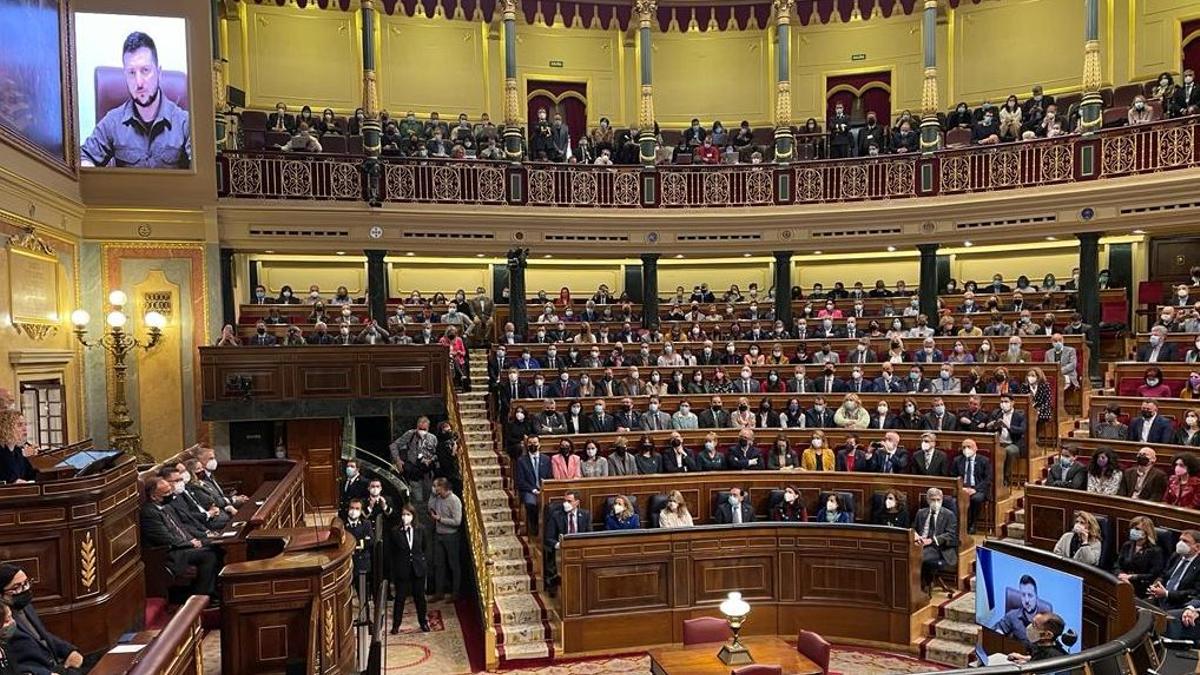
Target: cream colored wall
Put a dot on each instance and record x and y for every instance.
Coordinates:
(849, 269)
(713, 75)
(582, 278)
(1154, 46)
(819, 51)
(302, 57)
(718, 275)
(274, 273)
(437, 274)
(590, 56)
(431, 65)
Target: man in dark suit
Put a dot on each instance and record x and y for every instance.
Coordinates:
(1067, 472)
(882, 418)
(862, 352)
(353, 486)
(564, 386)
(628, 418)
(160, 529)
(1187, 95)
(734, 510)
(892, 458)
(715, 417)
(1010, 425)
(496, 367)
(976, 473)
(280, 120)
(819, 415)
(1144, 480)
(194, 520)
(939, 419)
(1159, 350)
(829, 382)
(743, 454)
(32, 648)
(550, 422)
(561, 520)
(194, 497)
(599, 421)
(929, 460)
(859, 384)
(261, 337)
(839, 133)
(538, 388)
(509, 390)
(532, 469)
(887, 382)
(799, 383)
(406, 557)
(1150, 428)
(935, 530)
(1180, 580)
(928, 353)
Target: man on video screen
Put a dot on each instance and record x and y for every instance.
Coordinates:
(1016, 622)
(148, 131)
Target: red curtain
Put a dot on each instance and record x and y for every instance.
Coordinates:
(860, 94)
(568, 99)
(1191, 50)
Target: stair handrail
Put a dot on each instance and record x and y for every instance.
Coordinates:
(481, 553)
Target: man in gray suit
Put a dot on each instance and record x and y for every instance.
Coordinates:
(1066, 358)
(935, 530)
(483, 310)
(654, 419)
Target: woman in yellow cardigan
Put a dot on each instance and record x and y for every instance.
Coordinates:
(818, 456)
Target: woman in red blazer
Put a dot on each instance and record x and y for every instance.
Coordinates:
(1183, 488)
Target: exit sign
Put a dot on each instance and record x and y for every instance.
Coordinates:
(858, 57)
(556, 64)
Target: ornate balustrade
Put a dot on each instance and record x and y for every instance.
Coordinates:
(1110, 153)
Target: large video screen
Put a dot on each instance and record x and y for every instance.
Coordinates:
(1009, 591)
(132, 91)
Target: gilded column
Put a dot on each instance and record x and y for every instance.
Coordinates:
(931, 137)
(372, 130)
(647, 142)
(220, 88)
(784, 140)
(514, 140)
(1091, 107)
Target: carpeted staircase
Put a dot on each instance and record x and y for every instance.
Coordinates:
(952, 636)
(522, 629)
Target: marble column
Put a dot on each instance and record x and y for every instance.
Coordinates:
(650, 289)
(783, 288)
(647, 142)
(220, 87)
(517, 261)
(1088, 300)
(1092, 106)
(372, 130)
(931, 137)
(929, 281)
(229, 304)
(377, 285)
(514, 140)
(785, 141)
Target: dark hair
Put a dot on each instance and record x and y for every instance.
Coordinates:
(1190, 461)
(1094, 466)
(1027, 580)
(138, 40)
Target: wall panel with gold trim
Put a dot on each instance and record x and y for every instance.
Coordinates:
(302, 57)
(590, 56)
(1156, 43)
(300, 273)
(432, 65)
(715, 75)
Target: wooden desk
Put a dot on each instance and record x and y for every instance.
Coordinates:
(701, 659)
(175, 650)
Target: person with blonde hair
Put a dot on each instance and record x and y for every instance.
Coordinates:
(818, 456)
(1082, 543)
(622, 516)
(1141, 559)
(675, 513)
(15, 450)
(851, 414)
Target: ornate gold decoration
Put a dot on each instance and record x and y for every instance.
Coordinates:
(716, 187)
(446, 185)
(1006, 169)
(220, 90)
(674, 189)
(491, 184)
(758, 187)
(245, 177)
(854, 181)
(930, 4)
(87, 561)
(345, 180)
(367, 5)
(295, 178)
(929, 92)
(900, 176)
(956, 174)
(1174, 147)
(541, 186)
(33, 284)
(36, 331)
(1118, 155)
(370, 94)
(512, 103)
(783, 104)
(783, 11)
(625, 188)
(27, 239)
(158, 301)
(327, 631)
(644, 9)
(810, 185)
(646, 107)
(583, 188)
(510, 10)
(401, 182)
(1092, 80)
(1058, 163)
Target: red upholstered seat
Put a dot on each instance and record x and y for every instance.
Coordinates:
(1116, 116)
(957, 137)
(1151, 292)
(1114, 312)
(111, 90)
(705, 629)
(814, 647)
(758, 669)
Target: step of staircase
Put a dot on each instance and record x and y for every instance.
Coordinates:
(519, 608)
(948, 653)
(511, 584)
(493, 499)
(1019, 515)
(961, 608)
(499, 528)
(957, 631)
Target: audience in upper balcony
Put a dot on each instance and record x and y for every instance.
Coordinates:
(280, 120)
(1164, 92)
(839, 133)
(302, 141)
(1140, 112)
(1187, 96)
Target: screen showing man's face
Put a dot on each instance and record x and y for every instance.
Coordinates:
(1028, 598)
(141, 76)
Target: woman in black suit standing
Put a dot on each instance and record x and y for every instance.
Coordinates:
(408, 567)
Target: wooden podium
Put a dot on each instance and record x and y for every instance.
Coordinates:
(287, 608)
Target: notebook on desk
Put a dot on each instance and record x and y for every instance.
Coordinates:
(88, 462)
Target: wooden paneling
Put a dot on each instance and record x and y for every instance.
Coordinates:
(1171, 258)
(77, 539)
(323, 372)
(319, 444)
(628, 575)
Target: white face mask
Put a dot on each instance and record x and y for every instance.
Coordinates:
(375, 491)
(211, 465)
(618, 508)
(831, 505)
(890, 502)
(178, 487)
(789, 497)
(568, 507)
(354, 514)
(407, 518)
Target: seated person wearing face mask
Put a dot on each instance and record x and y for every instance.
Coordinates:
(30, 648)
(1042, 635)
(734, 510)
(161, 528)
(935, 530)
(976, 473)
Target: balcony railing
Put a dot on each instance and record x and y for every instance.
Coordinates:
(1122, 151)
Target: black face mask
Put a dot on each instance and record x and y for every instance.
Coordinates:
(1146, 414)
(1143, 460)
(21, 600)
(743, 408)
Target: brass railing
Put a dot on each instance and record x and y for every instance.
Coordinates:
(1121, 151)
(481, 553)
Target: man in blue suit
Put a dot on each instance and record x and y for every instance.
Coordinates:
(928, 353)
(527, 362)
(532, 469)
(976, 473)
(1150, 428)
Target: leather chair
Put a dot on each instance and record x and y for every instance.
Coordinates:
(815, 647)
(758, 669)
(705, 629)
(654, 508)
(957, 137)
(1166, 541)
(333, 144)
(354, 145)
(848, 504)
(1108, 541)
(608, 504)
(1012, 600)
(111, 90)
